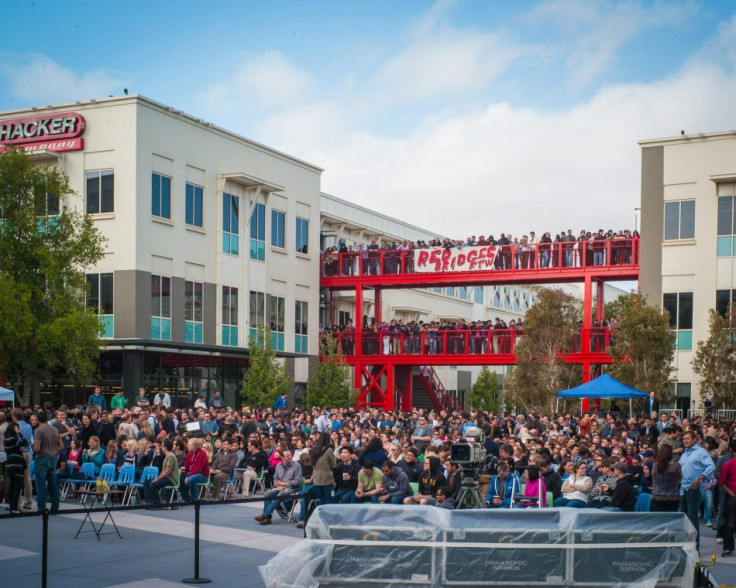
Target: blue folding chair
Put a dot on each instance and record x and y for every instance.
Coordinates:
(149, 473)
(126, 477)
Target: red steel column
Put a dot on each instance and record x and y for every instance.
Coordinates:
(388, 398)
(408, 398)
(585, 335)
(600, 299)
(358, 320)
(378, 305)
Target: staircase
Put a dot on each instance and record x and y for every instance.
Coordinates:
(427, 390)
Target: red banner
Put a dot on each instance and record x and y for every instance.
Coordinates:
(465, 259)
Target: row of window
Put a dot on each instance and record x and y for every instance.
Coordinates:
(100, 298)
(101, 199)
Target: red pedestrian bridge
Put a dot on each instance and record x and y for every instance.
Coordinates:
(390, 367)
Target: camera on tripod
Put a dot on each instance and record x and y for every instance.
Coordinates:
(469, 452)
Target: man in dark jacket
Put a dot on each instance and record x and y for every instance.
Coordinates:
(410, 465)
(346, 476)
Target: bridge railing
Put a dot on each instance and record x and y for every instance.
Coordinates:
(461, 342)
(514, 256)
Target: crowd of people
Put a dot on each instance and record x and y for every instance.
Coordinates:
(348, 455)
(595, 248)
(436, 337)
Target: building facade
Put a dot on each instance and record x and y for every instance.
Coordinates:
(207, 234)
(688, 248)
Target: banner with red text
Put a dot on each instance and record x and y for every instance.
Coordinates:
(466, 259)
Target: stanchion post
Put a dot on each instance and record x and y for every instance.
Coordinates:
(196, 579)
(45, 549)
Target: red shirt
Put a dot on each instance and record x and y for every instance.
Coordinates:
(197, 463)
(728, 475)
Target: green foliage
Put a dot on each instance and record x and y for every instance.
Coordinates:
(267, 378)
(550, 328)
(643, 346)
(715, 360)
(329, 383)
(45, 246)
(483, 394)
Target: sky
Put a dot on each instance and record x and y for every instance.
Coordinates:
(463, 117)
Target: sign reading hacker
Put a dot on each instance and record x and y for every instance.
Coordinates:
(46, 132)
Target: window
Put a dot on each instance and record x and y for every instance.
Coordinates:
(301, 314)
(100, 299)
(680, 308)
(194, 202)
(160, 196)
(343, 317)
(229, 316)
(462, 293)
(302, 235)
(160, 308)
(276, 310)
(258, 232)
(450, 291)
(278, 220)
(723, 299)
(47, 205)
(193, 311)
(230, 223)
(726, 220)
(100, 191)
(478, 294)
(679, 220)
(257, 312)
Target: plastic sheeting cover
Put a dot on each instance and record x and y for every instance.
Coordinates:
(424, 546)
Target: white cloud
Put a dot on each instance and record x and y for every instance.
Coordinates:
(268, 80)
(36, 79)
(594, 32)
(506, 169)
(440, 60)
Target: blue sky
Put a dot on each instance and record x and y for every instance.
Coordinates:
(463, 117)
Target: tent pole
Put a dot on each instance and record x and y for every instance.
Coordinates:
(629, 407)
(557, 406)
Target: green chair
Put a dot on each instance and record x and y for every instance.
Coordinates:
(174, 491)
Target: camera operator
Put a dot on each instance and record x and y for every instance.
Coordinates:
(504, 486)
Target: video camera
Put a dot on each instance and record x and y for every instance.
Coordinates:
(469, 452)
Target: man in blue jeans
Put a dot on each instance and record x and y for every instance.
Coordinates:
(46, 447)
(697, 467)
(287, 480)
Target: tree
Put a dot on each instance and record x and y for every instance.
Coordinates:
(642, 346)
(267, 378)
(715, 360)
(45, 246)
(484, 393)
(329, 384)
(550, 328)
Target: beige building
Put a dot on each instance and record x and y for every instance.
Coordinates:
(208, 234)
(688, 250)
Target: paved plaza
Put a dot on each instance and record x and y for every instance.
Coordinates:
(157, 548)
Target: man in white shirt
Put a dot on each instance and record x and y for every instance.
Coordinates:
(162, 398)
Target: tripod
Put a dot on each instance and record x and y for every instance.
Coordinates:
(469, 495)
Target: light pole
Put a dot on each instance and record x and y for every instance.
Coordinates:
(636, 219)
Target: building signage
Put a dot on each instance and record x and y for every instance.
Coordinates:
(45, 132)
(467, 259)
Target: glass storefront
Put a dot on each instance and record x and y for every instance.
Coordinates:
(183, 376)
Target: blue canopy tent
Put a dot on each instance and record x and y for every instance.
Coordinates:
(7, 395)
(602, 387)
